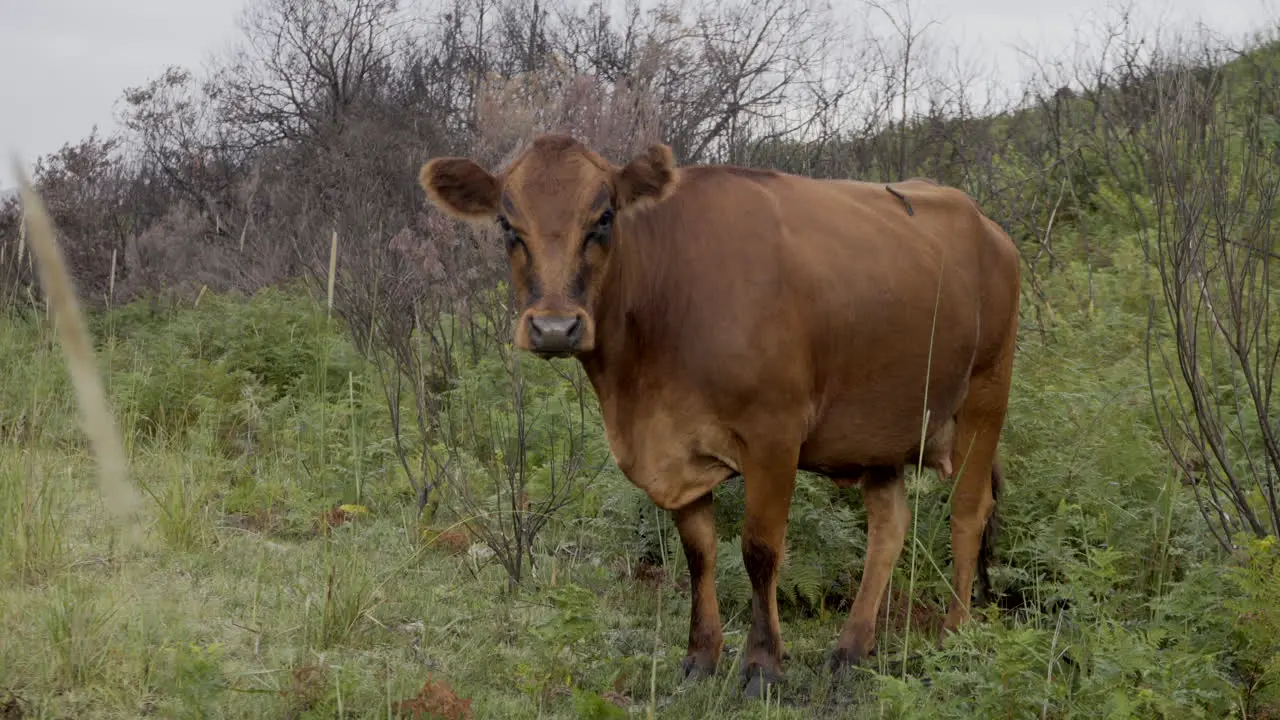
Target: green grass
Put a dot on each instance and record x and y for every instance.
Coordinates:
(247, 419)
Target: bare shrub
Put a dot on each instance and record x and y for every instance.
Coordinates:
(174, 131)
(521, 457)
(1207, 150)
(411, 304)
(81, 185)
(304, 66)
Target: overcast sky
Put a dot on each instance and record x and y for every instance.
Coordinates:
(66, 62)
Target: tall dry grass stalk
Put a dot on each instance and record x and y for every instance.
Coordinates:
(120, 498)
(22, 234)
(111, 286)
(333, 267)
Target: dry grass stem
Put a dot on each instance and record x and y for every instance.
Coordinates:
(120, 498)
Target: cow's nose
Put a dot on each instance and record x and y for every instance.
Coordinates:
(555, 335)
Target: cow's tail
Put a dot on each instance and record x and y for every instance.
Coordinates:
(986, 550)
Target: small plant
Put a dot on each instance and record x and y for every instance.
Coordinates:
(348, 594)
(197, 679)
(32, 520)
(567, 641)
(182, 499)
(79, 630)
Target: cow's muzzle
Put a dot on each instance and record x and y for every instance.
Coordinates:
(555, 336)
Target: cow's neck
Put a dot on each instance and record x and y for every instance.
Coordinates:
(627, 314)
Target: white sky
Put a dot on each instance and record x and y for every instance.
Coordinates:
(68, 61)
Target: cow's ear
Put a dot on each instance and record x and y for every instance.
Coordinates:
(461, 188)
(648, 178)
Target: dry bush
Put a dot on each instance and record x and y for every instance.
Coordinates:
(172, 252)
(17, 278)
(611, 117)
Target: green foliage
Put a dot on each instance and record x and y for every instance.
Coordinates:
(36, 404)
(569, 649)
(33, 519)
(1025, 671)
(259, 389)
(195, 677)
(590, 706)
(280, 339)
(1257, 626)
(826, 540)
(1114, 600)
(78, 626)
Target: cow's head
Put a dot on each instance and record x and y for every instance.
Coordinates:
(556, 206)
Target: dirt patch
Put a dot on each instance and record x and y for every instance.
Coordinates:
(450, 542)
(308, 689)
(337, 516)
(265, 521)
(436, 700)
(12, 707)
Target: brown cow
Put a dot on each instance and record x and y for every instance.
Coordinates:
(737, 321)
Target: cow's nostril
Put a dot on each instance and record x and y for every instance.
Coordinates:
(548, 334)
(574, 333)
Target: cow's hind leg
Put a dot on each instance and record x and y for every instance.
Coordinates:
(973, 499)
(770, 479)
(697, 526)
(884, 492)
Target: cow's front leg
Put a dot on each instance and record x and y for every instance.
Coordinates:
(770, 480)
(697, 525)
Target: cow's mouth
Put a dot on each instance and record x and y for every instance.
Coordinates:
(554, 354)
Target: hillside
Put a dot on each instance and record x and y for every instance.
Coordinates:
(368, 504)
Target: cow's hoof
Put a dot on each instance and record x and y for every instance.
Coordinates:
(694, 668)
(841, 660)
(757, 680)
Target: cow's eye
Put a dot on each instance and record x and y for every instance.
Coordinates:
(509, 234)
(599, 233)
